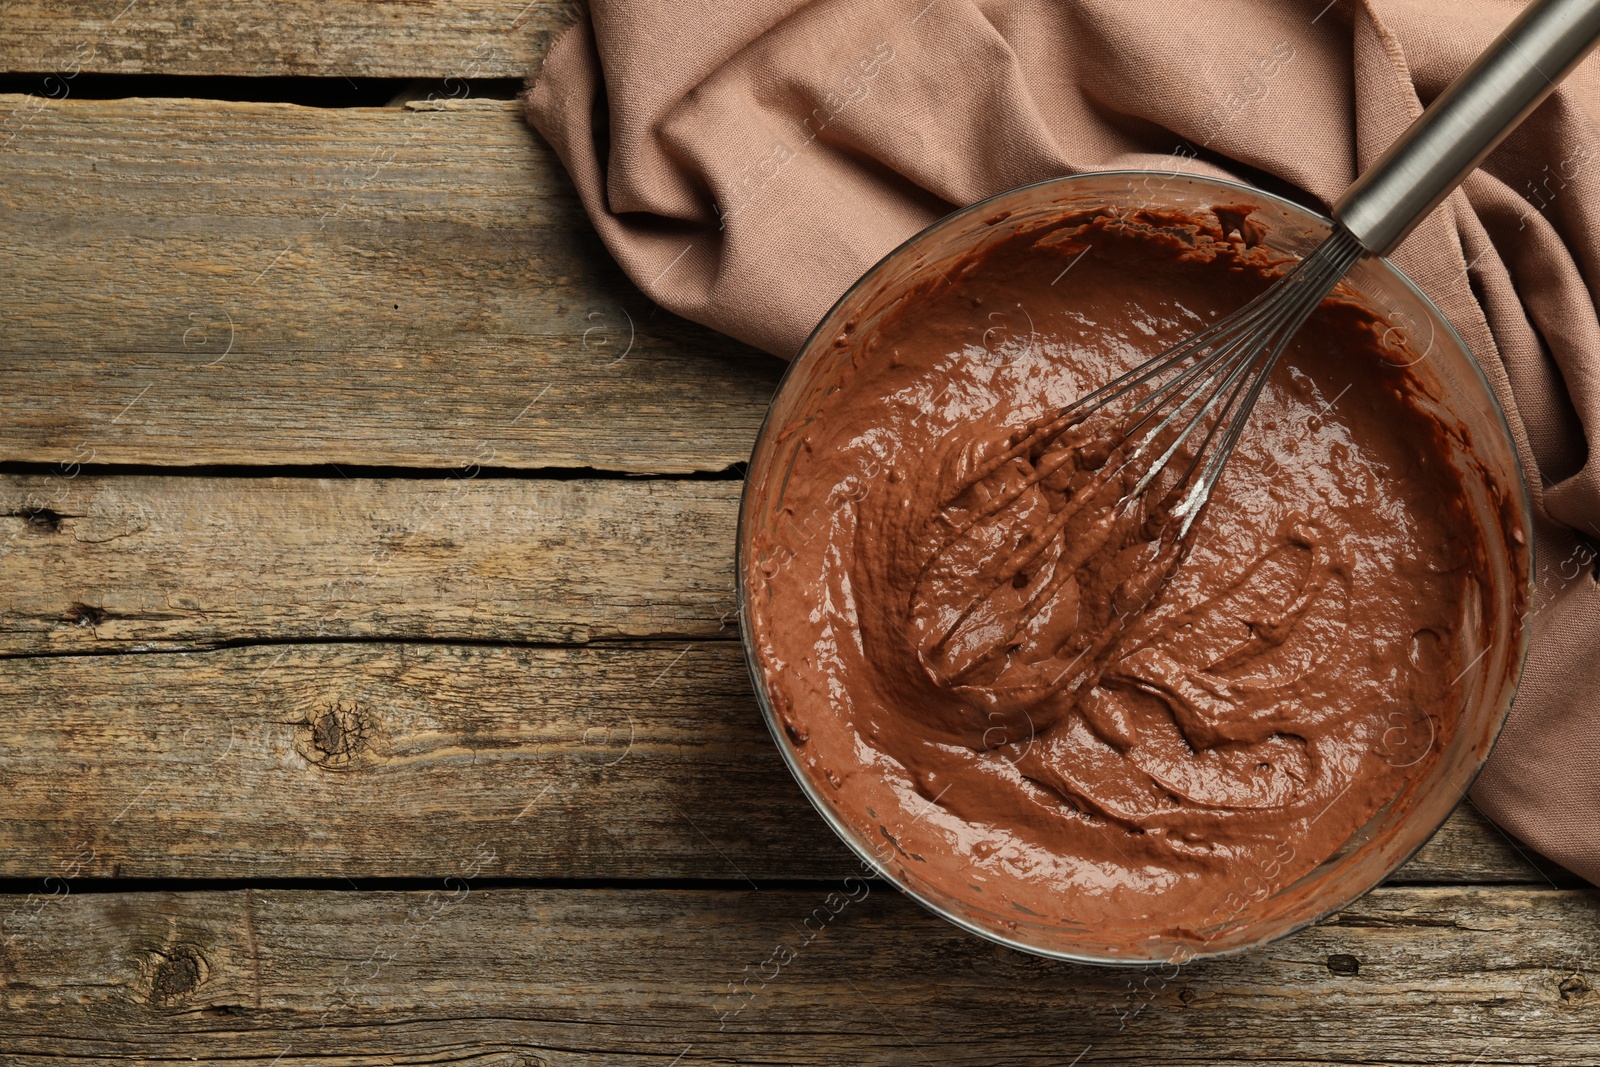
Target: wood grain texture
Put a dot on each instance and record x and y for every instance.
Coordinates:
(107, 563)
(139, 563)
(392, 760)
(1469, 849)
(441, 675)
(370, 760)
(517, 978)
(193, 282)
(350, 38)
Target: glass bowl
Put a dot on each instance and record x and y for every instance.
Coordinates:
(1453, 390)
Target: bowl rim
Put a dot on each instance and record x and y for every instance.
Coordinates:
(1522, 631)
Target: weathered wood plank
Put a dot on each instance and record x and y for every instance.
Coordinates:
(151, 562)
(353, 38)
(395, 760)
(106, 563)
(514, 978)
(620, 761)
(1469, 849)
(193, 282)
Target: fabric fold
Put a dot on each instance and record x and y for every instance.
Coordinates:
(746, 165)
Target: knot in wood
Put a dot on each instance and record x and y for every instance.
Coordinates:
(336, 734)
(86, 615)
(1574, 988)
(175, 973)
(42, 520)
(1344, 964)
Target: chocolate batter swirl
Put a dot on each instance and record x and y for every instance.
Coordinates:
(999, 669)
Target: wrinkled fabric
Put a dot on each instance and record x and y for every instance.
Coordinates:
(745, 163)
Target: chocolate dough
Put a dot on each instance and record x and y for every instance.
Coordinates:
(1038, 721)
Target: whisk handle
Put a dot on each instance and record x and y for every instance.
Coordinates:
(1467, 120)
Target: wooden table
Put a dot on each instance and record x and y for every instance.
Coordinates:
(373, 693)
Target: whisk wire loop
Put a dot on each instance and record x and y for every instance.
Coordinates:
(1205, 385)
(1220, 373)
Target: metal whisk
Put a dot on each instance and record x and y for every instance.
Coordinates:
(1174, 420)
(1210, 381)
